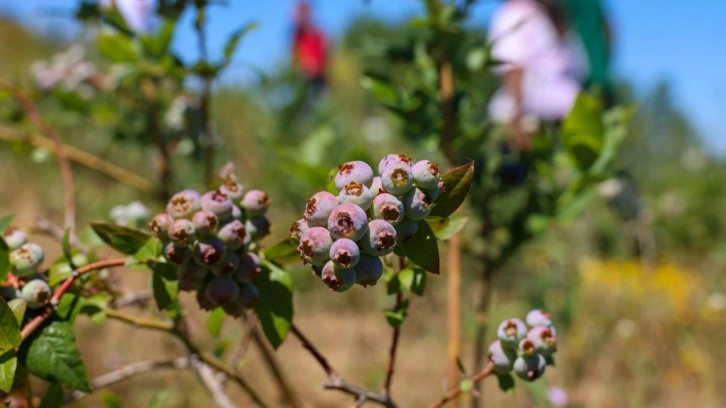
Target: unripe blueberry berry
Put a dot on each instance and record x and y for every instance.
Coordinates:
(344, 253)
(228, 267)
(392, 159)
(526, 348)
(205, 223)
(204, 302)
(192, 276)
(544, 340)
(177, 254)
(501, 358)
(79, 259)
(380, 238)
(425, 174)
(348, 221)
(388, 207)
(255, 202)
(418, 204)
(14, 238)
(248, 295)
(434, 192)
(257, 227)
(249, 268)
(406, 229)
(221, 291)
(356, 193)
(376, 186)
(37, 293)
(353, 171)
(234, 235)
(232, 189)
(26, 259)
(298, 228)
(181, 232)
(396, 178)
(315, 246)
(511, 332)
(183, 204)
(319, 207)
(159, 225)
(209, 251)
(236, 213)
(538, 317)
(338, 279)
(530, 368)
(368, 270)
(218, 203)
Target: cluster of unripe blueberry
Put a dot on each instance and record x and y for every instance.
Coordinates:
(26, 281)
(343, 237)
(526, 351)
(211, 238)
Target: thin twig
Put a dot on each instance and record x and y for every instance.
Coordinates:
(392, 350)
(335, 381)
(454, 392)
(268, 356)
(250, 325)
(64, 164)
(214, 387)
(141, 322)
(63, 288)
(81, 157)
(128, 371)
(45, 226)
(133, 299)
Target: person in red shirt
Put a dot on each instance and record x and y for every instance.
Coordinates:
(309, 47)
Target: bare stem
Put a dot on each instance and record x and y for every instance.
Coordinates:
(336, 382)
(64, 164)
(63, 288)
(206, 138)
(140, 322)
(273, 365)
(482, 320)
(392, 350)
(214, 387)
(456, 391)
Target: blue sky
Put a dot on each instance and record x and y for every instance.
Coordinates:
(681, 41)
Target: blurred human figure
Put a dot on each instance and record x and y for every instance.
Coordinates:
(138, 14)
(309, 47)
(539, 71)
(589, 21)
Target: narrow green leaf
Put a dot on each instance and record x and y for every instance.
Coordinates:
(18, 307)
(396, 317)
(275, 308)
(52, 355)
(583, 131)
(445, 228)
(4, 260)
(116, 47)
(150, 251)
(165, 286)
(456, 183)
(53, 398)
(283, 252)
(8, 365)
(125, 240)
(235, 38)
(9, 327)
(506, 382)
(215, 321)
(5, 222)
(411, 279)
(422, 249)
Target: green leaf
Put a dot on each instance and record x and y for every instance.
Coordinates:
(506, 382)
(380, 87)
(466, 385)
(9, 327)
(5, 222)
(67, 251)
(411, 279)
(215, 321)
(283, 252)
(8, 365)
(422, 249)
(234, 39)
(4, 260)
(69, 306)
(275, 308)
(116, 47)
(52, 355)
(156, 45)
(18, 307)
(445, 228)
(456, 183)
(125, 240)
(110, 399)
(150, 251)
(53, 398)
(583, 131)
(165, 286)
(396, 317)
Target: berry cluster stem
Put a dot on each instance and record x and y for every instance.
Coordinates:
(63, 288)
(393, 350)
(456, 391)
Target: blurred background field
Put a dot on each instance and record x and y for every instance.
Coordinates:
(635, 283)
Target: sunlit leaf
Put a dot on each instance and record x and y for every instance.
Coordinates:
(125, 240)
(456, 183)
(275, 308)
(422, 249)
